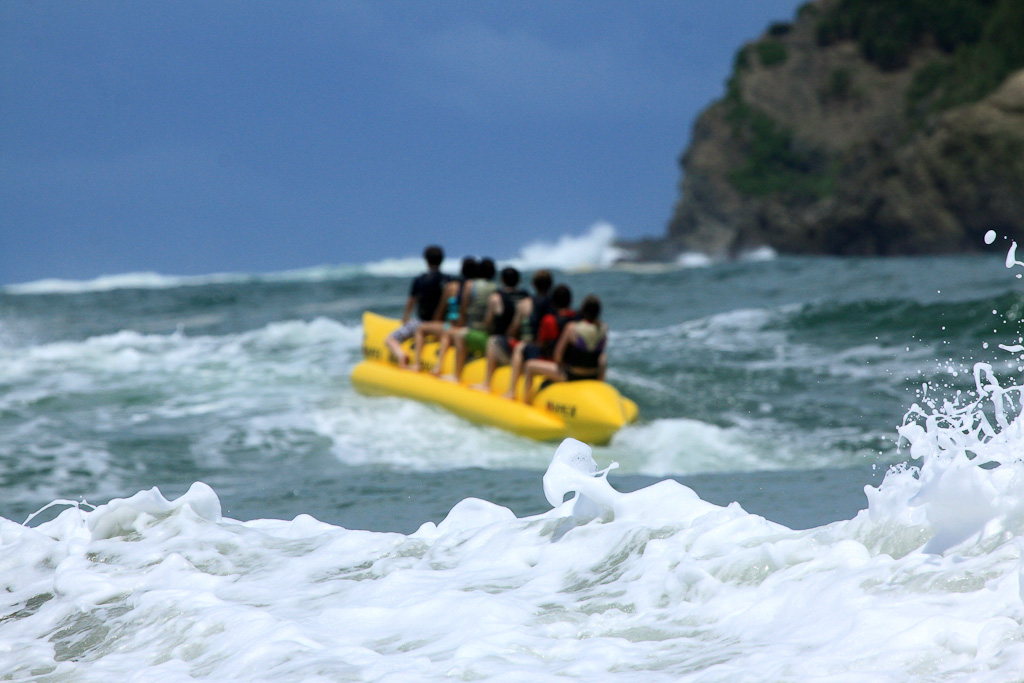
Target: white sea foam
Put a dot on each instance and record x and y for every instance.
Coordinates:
(654, 585)
(697, 259)
(255, 391)
(670, 446)
(158, 281)
(595, 248)
(765, 253)
(267, 390)
(694, 259)
(271, 388)
(121, 281)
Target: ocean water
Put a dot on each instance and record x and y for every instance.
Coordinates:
(825, 483)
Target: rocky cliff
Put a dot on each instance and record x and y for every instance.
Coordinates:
(863, 127)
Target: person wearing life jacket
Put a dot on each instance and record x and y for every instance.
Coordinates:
(535, 343)
(508, 348)
(424, 294)
(538, 356)
(470, 336)
(539, 306)
(526, 323)
(579, 353)
(581, 350)
(446, 314)
(503, 314)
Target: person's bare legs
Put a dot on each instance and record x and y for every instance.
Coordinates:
(418, 338)
(431, 328)
(493, 352)
(460, 355)
(401, 357)
(539, 368)
(442, 348)
(517, 369)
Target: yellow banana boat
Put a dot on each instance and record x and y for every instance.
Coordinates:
(588, 410)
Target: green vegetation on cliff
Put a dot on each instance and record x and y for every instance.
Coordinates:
(888, 31)
(774, 163)
(974, 69)
(772, 52)
(981, 42)
(978, 44)
(864, 127)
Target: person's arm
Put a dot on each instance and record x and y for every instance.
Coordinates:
(442, 305)
(515, 328)
(567, 334)
(602, 360)
(410, 304)
(494, 309)
(464, 304)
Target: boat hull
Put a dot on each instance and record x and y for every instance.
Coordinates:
(588, 410)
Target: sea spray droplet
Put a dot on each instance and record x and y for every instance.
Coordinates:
(1011, 256)
(990, 237)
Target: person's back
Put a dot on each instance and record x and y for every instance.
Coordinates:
(477, 293)
(579, 353)
(583, 352)
(509, 295)
(535, 307)
(538, 358)
(424, 295)
(446, 315)
(476, 298)
(534, 311)
(554, 321)
(428, 287)
(511, 320)
(453, 293)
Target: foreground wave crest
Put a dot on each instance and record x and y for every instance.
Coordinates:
(657, 583)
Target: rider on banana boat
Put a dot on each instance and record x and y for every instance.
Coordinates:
(548, 331)
(579, 353)
(506, 343)
(424, 294)
(470, 335)
(446, 314)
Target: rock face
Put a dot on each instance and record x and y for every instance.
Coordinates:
(816, 149)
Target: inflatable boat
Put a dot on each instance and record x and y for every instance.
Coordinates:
(588, 410)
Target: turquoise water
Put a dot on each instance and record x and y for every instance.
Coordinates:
(763, 382)
(216, 502)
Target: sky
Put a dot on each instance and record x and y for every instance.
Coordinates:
(246, 136)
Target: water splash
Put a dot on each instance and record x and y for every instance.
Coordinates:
(593, 249)
(968, 488)
(1011, 258)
